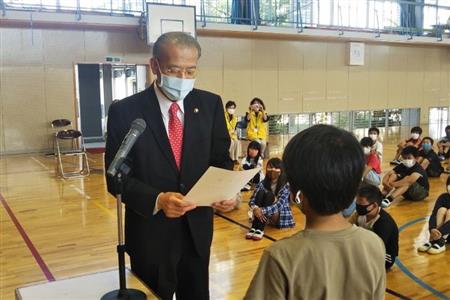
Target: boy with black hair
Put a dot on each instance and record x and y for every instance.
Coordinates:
(408, 179)
(428, 159)
(370, 215)
(324, 167)
(444, 144)
(374, 134)
(372, 171)
(414, 140)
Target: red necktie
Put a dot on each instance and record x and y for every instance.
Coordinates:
(175, 133)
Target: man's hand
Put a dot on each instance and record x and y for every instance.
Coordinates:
(257, 212)
(225, 205)
(173, 204)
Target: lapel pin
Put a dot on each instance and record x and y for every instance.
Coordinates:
(196, 110)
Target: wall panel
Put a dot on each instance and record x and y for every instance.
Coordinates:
(314, 76)
(290, 76)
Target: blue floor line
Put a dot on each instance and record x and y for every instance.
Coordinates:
(408, 273)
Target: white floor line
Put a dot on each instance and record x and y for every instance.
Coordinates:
(40, 163)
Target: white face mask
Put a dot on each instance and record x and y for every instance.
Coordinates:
(415, 136)
(374, 137)
(366, 150)
(231, 111)
(408, 163)
(176, 88)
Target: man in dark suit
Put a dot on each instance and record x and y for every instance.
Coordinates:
(167, 238)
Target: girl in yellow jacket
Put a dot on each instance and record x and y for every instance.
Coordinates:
(231, 120)
(256, 119)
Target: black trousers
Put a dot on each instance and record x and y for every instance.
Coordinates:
(189, 272)
(255, 178)
(262, 199)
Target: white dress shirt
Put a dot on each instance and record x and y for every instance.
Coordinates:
(164, 105)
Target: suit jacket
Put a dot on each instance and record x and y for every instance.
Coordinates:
(206, 141)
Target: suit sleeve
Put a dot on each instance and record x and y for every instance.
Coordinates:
(220, 156)
(137, 195)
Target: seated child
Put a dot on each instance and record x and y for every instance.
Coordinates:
(408, 179)
(370, 215)
(439, 224)
(372, 170)
(414, 140)
(444, 145)
(428, 159)
(269, 203)
(251, 161)
(374, 134)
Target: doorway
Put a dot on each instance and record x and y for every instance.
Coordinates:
(97, 86)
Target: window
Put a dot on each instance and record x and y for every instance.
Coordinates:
(438, 120)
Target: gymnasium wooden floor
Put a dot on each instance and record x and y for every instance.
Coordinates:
(53, 229)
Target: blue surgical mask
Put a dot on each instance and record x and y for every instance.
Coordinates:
(176, 88)
(426, 147)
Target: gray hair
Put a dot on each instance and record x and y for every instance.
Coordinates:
(175, 38)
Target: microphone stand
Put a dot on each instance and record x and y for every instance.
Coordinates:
(122, 293)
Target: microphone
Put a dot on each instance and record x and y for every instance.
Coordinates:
(137, 128)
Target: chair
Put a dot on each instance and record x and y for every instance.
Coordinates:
(57, 125)
(77, 150)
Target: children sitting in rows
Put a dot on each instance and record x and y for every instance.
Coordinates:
(372, 171)
(269, 203)
(414, 140)
(374, 134)
(428, 159)
(439, 224)
(370, 215)
(408, 179)
(251, 161)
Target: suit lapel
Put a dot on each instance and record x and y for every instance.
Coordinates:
(191, 125)
(153, 118)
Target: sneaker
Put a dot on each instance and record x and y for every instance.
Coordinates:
(258, 235)
(246, 188)
(395, 162)
(424, 247)
(385, 203)
(437, 247)
(250, 234)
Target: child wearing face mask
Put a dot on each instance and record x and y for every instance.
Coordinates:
(372, 170)
(428, 159)
(408, 179)
(374, 134)
(269, 203)
(444, 144)
(444, 147)
(251, 161)
(231, 121)
(371, 216)
(414, 140)
(439, 224)
(256, 119)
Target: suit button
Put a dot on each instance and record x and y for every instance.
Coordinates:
(182, 187)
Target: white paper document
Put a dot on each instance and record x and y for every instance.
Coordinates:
(219, 184)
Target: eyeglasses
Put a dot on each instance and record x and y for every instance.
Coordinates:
(180, 72)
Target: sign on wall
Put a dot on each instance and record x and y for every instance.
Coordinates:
(356, 54)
